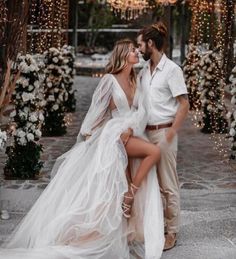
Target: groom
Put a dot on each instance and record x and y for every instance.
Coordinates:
(167, 106)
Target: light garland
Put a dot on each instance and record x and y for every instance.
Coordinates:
(211, 23)
(191, 73)
(128, 10)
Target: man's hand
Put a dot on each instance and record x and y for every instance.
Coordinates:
(170, 133)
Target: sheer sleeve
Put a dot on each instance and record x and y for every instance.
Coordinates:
(98, 112)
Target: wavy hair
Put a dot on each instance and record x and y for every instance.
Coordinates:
(118, 59)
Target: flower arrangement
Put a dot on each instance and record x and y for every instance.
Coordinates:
(232, 115)
(191, 74)
(212, 93)
(68, 76)
(24, 153)
(3, 139)
(55, 94)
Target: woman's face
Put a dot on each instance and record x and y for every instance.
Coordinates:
(133, 55)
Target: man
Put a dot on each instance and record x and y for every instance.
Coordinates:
(167, 106)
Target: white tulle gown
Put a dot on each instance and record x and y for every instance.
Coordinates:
(79, 214)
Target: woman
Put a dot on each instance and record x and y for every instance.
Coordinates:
(83, 212)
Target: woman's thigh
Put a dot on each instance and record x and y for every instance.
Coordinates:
(139, 148)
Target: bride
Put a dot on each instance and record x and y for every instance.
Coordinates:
(103, 201)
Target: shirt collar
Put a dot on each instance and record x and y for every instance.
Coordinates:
(161, 63)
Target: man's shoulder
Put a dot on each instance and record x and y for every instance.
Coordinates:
(172, 65)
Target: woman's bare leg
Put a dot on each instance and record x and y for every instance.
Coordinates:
(150, 155)
(139, 148)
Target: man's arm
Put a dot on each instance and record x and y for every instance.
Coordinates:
(181, 115)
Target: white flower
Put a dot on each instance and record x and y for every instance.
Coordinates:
(232, 132)
(25, 82)
(13, 114)
(49, 84)
(211, 93)
(33, 117)
(228, 115)
(41, 117)
(22, 114)
(3, 135)
(55, 107)
(32, 68)
(233, 100)
(20, 133)
(24, 67)
(22, 141)
(233, 91)
(234, 115)
(25, 97)
(38, 133)
(51, 98)
(30, 88)
(36, 84)
(55, 59)
(30, 136)
(233, 124)
(26, 109)
(209, 77)
(209, 107)
(43, 103)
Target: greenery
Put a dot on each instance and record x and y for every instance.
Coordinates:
(23, 161)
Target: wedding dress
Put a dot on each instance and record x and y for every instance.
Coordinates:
(79, 214)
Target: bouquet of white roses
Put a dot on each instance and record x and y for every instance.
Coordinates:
(55, 94)
(28, 99)
(212, 93)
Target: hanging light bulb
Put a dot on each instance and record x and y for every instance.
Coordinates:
(128, 9)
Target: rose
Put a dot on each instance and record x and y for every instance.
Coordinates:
(41, 117)
(38, 133)
(20, 133)
(30, 137)
(55, 107)
(232, 132)
(33, 117)
(22, 141)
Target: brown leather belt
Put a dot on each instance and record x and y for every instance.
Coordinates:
(156, 127)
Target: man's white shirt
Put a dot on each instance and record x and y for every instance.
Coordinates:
(161, 88)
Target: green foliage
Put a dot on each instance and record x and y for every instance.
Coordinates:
(23, 161)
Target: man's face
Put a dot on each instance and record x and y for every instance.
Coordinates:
(143, 48)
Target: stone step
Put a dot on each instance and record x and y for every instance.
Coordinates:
(20, 197)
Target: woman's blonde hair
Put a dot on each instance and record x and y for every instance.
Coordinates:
(118, 59)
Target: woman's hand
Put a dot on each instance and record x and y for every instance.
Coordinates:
(126, 135)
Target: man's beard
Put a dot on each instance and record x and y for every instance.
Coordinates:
(147, 54)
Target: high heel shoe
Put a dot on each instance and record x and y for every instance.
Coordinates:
(126, 207)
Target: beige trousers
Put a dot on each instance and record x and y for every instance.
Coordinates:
(168, 178)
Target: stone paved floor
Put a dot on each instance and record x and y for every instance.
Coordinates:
(208, 189)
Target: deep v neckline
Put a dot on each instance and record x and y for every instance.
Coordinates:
(123, 92)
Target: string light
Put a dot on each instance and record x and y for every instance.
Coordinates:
(128, 10)
(211, 24)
